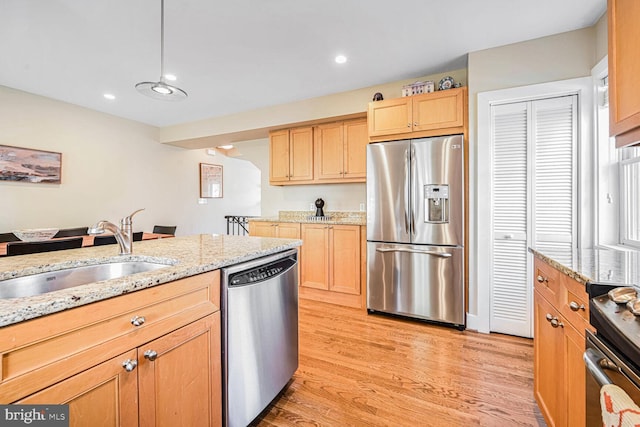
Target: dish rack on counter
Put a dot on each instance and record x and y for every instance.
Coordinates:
(314, 218)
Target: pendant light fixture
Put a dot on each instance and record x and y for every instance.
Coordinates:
(161, 89)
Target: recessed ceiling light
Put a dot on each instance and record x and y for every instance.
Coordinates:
(170, 77)
(109, 96)
(226, 147)
(341, 59)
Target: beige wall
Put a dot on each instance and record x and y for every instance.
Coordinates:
(110, 167)
(602, 37)
(256, 123)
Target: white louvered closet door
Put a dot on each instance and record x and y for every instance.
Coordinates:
(510, 299)
(533, 204)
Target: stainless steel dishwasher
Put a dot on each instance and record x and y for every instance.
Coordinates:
(259, 301)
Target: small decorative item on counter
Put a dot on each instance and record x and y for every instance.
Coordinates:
(446, 83)
(429, 86)
(377, 96)
(319, 206)
(416, 88)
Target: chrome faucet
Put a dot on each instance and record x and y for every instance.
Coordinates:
(123, 234)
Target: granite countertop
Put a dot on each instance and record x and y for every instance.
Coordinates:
(603, 265)
(308, 217)
(185, 256)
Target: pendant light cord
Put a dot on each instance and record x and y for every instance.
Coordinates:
(162, 40)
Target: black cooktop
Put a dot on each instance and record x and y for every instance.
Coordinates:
(618, 326)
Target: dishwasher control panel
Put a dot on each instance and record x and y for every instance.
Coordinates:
(260, 273)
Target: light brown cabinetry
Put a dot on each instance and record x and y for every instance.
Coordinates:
(330, 263)
(340, 151)
(429, 114)
(560, 319)
(291, 156)
(129, 360)
(624, 68)
(284, 230)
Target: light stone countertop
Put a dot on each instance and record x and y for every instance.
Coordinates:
(186, 256)
(308, 217)
(609, 266)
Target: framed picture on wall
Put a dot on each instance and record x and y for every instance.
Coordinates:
(28, 165)
(210, 180)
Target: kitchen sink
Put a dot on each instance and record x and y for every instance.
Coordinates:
(41, 283)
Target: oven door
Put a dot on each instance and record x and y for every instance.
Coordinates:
(604, 366)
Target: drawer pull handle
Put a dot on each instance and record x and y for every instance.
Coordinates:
(576, 307)
(151, 355)
(137, 320)
(555, 323)
(541, 279)
(129, 365)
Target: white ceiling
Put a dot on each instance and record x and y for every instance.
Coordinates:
(239, 55)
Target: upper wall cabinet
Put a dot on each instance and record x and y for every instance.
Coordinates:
(436, 113)
(624, 68)
(340, 151)
(291, 156)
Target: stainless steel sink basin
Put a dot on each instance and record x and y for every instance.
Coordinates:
(41, 283)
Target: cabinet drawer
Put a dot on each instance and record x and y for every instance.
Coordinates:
(45, 350)
(575, 303)
(548, 281)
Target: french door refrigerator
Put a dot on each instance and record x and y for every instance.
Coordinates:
(415, 229)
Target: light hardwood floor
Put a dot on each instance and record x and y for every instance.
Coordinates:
(372, 370)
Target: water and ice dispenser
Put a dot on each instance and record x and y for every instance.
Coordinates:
(436, 204)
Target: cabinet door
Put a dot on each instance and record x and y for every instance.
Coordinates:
(262, 229)
(180, 379)
(355, 149)
(279, 156)
(624, 67)
(329, 151)
(344, 256)
(301, 154)
(105, 395)
(548, 363)
(314, 260)
(390, 116)
(288, 230)
(437, 110)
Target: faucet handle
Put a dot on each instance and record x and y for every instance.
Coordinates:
(127, 219)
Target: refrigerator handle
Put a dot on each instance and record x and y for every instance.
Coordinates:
(415, 251)
(413, 189)
(407, 191)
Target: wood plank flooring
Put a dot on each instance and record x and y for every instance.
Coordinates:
(372, 370)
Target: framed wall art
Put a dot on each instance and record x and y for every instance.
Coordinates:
(29, 165)
(210, 180)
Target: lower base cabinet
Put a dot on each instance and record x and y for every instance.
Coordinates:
(170, 377)
(559, 343)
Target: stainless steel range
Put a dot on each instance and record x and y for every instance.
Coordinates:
(612, 354)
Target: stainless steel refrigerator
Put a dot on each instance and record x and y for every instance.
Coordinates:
(415, 229)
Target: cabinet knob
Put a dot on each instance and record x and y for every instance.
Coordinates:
(549, 317)
(137, 320)
(555, 323)
(129, 365)
(576, 307)
(151, 355)
(415, 124)
(408, 125)
(541, 279)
